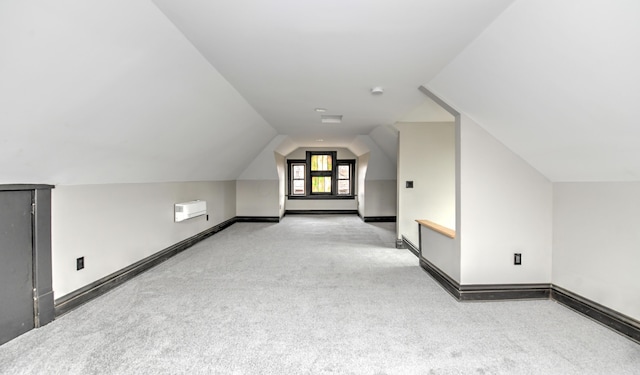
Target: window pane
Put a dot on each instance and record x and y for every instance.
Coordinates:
(344, 187)
(298, 187)
(320, 162)
(298, 171)
(321, 184)
(343, 172)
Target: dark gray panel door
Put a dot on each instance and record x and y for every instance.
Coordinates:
(16, 279)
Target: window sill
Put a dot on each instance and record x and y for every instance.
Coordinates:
(315, 197)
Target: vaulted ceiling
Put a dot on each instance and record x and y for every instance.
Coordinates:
(178, 90)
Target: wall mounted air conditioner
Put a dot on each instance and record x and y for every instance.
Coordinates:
(188, 210)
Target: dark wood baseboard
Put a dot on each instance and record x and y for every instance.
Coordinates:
(623, 324)
(449, 284)
(501, 292)
(618, 322)
(257, 219)
(321, 212)
(409, 245)
(379, 219)
(76, 298)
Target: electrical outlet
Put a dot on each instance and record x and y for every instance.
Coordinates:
(79, 263)
(517, 259)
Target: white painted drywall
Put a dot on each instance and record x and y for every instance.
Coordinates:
(380, 166)
(441, 251)
(257, 197)
(301, 152)
(282, 182)
(428, 111)
(386, 137)
(545, 76)
(263, 167)
(505, 208)
(380, 197)
(363, 164)
(321, 204)
(111, 92)
(376, 177)
(596, 242)
(426, 157)
(113, 226)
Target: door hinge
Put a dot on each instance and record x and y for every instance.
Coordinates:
(33, 208)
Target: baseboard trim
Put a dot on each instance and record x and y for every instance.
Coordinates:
(501, 292)
(621, 323)
(321, 212)
(413, 248)
(612, 319)
(83, 295)
(379, 219)
(257, 219)
(445, 281)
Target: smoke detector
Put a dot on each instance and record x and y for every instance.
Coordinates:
(377, 90)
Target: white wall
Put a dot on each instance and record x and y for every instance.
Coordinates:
(442, 251)
(264, 167)
(257, 198)
(363, 164)
(596, 242)
(322, 204)
(282, 183)
(113, 226)
(301, 152)
(505, 208)
(258, 187)
(380, 197)
(426, 156)
(377, 175)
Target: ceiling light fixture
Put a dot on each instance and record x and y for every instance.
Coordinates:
(377, 90)
(319, 140)
(320, 109)
(331, 119)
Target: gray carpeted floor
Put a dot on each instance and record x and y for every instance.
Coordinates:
(310, 295)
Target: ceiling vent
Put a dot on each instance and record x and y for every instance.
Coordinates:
(331, 119)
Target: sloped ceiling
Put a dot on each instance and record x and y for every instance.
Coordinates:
(110, 91)
(557, 82)
(289, 57)
(140, 91)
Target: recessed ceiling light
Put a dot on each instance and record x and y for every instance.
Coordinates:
(331, 119)
(319, 140)
(320, 109)
(377, 90)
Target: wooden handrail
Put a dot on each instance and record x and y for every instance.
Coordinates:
(438, 228)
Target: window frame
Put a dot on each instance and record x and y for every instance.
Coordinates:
(291, 165)
(352, 164)
(330, 173)
(310, 174)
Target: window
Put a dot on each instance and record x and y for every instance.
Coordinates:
(321, 176)
(297, 171)
(321, 172)
(344, 179)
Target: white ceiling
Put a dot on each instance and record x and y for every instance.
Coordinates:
(110, 92)
(178, 90)
(288, 57)
(558, 82)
